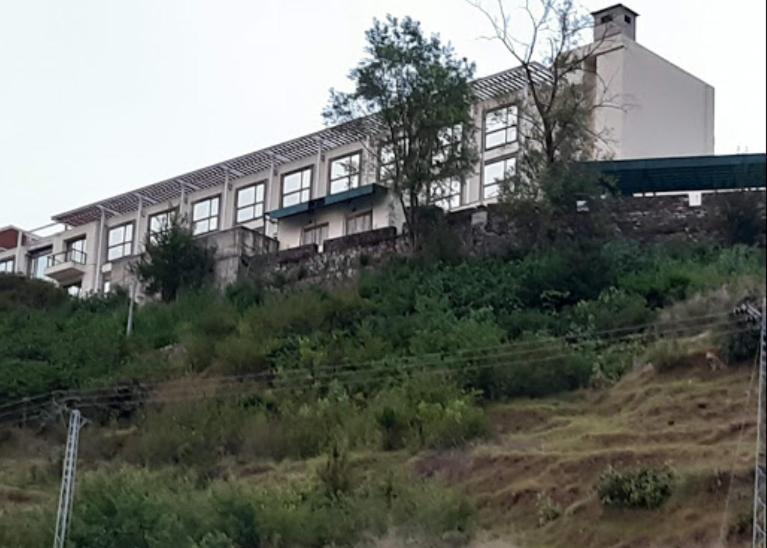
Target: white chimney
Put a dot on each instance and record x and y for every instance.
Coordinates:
(617, 19)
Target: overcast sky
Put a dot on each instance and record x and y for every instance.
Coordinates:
(101, 96)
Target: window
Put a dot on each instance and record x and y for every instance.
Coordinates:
(501, 126)
(74, 289)
(106, 287)
(38, 262)
(296, 187)
(361, 222)
(606, 19)
(315, 235)
(387, 159)
(447, 195)
(120, 241)
(495, 174)
(205, 216)
(6, 266)
(250, 204)
(627, 19)
(76, 251)
(159, 223)
(345, 173)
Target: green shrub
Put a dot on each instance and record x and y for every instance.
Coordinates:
(546, 509)
(741, 346)
(646, 488)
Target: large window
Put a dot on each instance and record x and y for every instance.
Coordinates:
(250, 204)
(361, 222)
(205, 216)
(447, 195)
(6, 266)
(120, 241)
(76, 251)
(296, 187)
(495, 174)
(345, 173)
(315, 235)
(160, 222)
(501, 126)
(38, 262)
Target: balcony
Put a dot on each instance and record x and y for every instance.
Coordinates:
(66, 267)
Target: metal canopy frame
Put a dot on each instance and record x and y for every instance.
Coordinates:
(260, 161)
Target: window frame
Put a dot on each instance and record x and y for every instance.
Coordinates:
(485, 184)
(358, 173)
(211, 215)
(317, 226)
(71, 246)
(35, 258)
(300, 190)
(152, 233)
(448, 197)
(357, 215)
(504, 129)
(238, 207)
(123, 243)
(4, 268)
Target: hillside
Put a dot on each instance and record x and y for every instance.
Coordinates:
(477, 402)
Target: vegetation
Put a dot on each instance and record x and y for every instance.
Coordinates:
(416, 92)
(646, 488)
(173, 261)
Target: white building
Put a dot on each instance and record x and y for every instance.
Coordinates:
(326, 185)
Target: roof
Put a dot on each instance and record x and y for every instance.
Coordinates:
(611, 8)
(686, 173)
(495, 85)
(330, 199)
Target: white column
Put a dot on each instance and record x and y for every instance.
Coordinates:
(99, 252)
(225, 203)
(19, 249)
(137, 232)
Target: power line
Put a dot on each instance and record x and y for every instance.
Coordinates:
(678, 328)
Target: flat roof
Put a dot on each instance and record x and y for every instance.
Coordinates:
(686, 173)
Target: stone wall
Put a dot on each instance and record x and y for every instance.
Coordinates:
(490, 231)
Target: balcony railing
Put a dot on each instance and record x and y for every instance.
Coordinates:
(69, 256)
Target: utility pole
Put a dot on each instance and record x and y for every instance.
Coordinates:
(759, 527)
(129, 325)
(67, 493)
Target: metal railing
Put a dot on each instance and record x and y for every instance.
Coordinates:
(70, 255)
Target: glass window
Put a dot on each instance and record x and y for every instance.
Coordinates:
(495, 174)
(76, 251)
(120, 241)
(250, 204)
(447, 195)
(38, 262)
(315, 235)
(159, 223)
(362, 222)
(6, 266)
(345, 173)
(296, 187)
(205, 216)
(74, 289)
(501, 126)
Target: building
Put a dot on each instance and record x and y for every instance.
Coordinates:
(326, 185)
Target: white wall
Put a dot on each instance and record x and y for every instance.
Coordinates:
(664, 112)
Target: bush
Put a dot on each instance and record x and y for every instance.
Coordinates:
(741, 346)
(646, 488)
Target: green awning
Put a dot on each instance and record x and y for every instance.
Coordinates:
(685, 174)
(325, 201)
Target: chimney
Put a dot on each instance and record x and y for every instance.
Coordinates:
(617, 19)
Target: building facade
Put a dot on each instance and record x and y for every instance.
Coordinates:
(328, 184)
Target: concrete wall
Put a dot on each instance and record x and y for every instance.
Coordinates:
(664, 111)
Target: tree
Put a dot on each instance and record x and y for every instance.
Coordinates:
(564, 92)
(173, 260)
(415, 97)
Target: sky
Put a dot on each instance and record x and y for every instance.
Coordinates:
(98, 97)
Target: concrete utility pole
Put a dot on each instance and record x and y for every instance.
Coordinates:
(67, 493)
(759, 527)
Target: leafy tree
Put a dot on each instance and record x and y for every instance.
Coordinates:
(415, 96)
(174, 260)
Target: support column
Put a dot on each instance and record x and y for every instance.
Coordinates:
(99, 252)
(19, 249)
